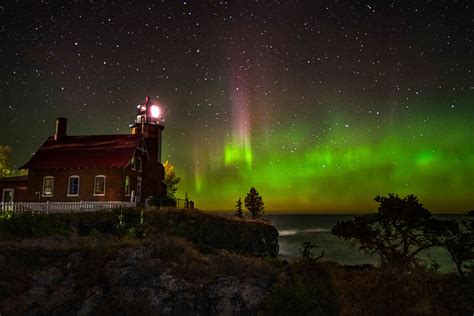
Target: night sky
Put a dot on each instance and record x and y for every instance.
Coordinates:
(320, 105)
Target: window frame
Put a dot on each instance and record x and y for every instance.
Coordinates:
(128, 192)
(95, 184)
(138, 194)
(139, 163)
(69, 185)
(43, 194)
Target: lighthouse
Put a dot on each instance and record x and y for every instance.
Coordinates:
(149, 122)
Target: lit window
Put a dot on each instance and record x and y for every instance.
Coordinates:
(127, 186)
(99, 185)
(73, 186)
(48, 186)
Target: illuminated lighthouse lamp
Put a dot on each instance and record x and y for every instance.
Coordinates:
(149, 113)
(155, 111)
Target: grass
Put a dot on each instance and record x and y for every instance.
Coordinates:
(331, 289)
(208, 232)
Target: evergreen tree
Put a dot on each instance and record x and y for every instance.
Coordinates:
(254, 203)
(238, 208)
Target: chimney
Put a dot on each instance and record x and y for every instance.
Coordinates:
(61, 127)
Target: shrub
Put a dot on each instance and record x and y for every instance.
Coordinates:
(27, 225)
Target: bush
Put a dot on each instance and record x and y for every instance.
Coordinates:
(28, 225)
(31, 225)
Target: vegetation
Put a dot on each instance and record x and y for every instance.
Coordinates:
(20, 225)
(208, 232)
(171, 180)
(460, 244)
(398, 232)
(130, 227)
(254, 204)
(305, 289)
(6, 167)
(402, 228)
(238, 209)
(306, 251)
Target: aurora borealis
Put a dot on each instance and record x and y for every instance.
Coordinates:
(320, 106)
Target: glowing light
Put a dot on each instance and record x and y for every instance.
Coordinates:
(197, 180)
(235, 154)
(239, 150)
(155, 111)
(328, 167)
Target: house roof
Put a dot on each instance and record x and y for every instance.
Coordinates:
(96, 151)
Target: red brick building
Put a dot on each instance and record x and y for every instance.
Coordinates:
(95, 168)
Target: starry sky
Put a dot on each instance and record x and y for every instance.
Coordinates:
(321, 105)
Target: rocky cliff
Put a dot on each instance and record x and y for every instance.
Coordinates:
(161, 276)
(183, 263)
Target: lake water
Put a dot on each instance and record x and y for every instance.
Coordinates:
(296, 229)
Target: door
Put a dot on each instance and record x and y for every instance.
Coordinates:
(7, 195)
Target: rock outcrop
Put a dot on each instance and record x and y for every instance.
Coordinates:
(181, 263)
(128, 279)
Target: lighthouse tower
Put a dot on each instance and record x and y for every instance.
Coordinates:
(149, 123)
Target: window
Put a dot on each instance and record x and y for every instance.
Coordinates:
(48, 186)
(127, 186)
(73, 186)
(139, 164)
(139, 189)
(99, 185)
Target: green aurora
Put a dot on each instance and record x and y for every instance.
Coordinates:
(341, 162)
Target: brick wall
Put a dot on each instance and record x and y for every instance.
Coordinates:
(113, 185)
(152, 185)
(20, 189)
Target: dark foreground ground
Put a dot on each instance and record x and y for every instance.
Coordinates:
(167, 264)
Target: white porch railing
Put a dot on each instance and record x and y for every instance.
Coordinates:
(64, 207)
